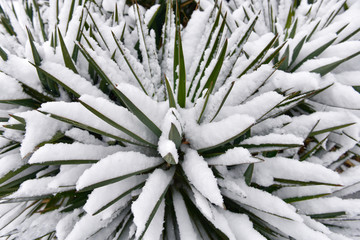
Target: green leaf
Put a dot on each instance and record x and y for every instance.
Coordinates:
(323, 70)
(212, 55)
(67, 59)
(350, 35)
(20, 127)
(248, 174)
(172, 103)
(308, 153)
(3, 54)
(179, 64)
(169, 158)
(326, 130)
(285, 63)
(314, 54)
(19, 119)
(272, 55)
(207, 46)
(327, 215)
(293, 30)
(97, 28)
(135, 110)
(89, 128)
(304, 183)
(128, 63)
(41, 22)
(313, 31)
(304, 198)
(49, 76)
(35, 94)
(223, 101)
(175, 136)
(259, 56)
(116, 125)
(215, 72)
(297, 50)
(210, 83)
(49, 85)
(23, 102)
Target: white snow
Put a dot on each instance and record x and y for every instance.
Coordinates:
(233, 156)
(10, 88)
(34, 122)
(118, 165)
(106, 194)
(119, 115)
(292, 169)
(10, 163)
(152, 192)
(75, 151)
(186, 228)
(215, 133)
(201, 176)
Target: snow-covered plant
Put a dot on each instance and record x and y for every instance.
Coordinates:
(241, 125)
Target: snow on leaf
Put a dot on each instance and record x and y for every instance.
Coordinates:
(265, 173)
(116, 167)
(201, 176)
(213, 134)
(150, 203)
(233, 156)
(71, 153)
(186, 228)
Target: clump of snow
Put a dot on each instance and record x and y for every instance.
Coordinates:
(34, 122)
(201, 176)
(292, 169)
(118, 165)
(215, 133)
(74, 151)
(10, 88)
(10, 163)
(233, 156)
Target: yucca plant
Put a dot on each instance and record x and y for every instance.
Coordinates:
(241, 125)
